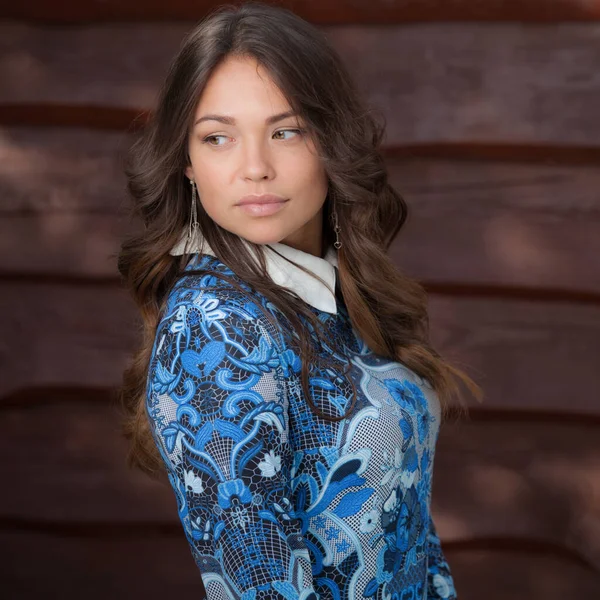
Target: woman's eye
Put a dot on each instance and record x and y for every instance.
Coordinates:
(298, 131)
(213, 137)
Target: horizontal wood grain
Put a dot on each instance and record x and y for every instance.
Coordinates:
(76, 453)
(328, 11)
(485, 222)
(36, 397)
(497, 292)
(72, 244)
(100, 568)
(498, 223)
(525, 354)
(58, 171)
(545, 154)
(497, 575)
(505, 479)
(65, 335)
(432, 82)
(72, 115)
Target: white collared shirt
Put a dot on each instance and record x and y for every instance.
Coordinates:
(284, 273)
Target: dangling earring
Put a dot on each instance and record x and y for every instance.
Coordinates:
(193, 225)
(337, 229)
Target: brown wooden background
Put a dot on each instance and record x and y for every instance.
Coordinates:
(493, 138)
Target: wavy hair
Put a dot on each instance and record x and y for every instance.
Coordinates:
(387, 308)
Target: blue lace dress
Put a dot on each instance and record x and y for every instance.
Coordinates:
(276, 502)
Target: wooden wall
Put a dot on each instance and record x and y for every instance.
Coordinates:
(494, 140)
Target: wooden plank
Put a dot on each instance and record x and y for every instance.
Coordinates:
(328, 11)
(519, 576)
(62, 171)
(75, 452)
(527, 355)
(508, 479)
(115, 567)
(499, 223)
(64, 335)
(74, 244)
(476, 222)
(432, 82)
(73, 115)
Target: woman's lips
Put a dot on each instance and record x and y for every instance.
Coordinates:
(262, 209)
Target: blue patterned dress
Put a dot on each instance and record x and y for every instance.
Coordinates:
(276, 502)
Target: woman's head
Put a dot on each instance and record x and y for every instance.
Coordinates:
(247, 139)
(248, 63)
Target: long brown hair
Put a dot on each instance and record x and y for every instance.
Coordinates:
(387, 309)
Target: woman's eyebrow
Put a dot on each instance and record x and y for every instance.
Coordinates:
(231, 121)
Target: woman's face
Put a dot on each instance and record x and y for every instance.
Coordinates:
(250, 155)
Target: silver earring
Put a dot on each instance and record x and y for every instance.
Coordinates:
(193, 225)
(337, 229)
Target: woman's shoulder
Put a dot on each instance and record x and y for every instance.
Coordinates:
(206, 276)
(209, 294)
(205, 322)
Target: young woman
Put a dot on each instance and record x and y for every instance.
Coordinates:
(285, 384)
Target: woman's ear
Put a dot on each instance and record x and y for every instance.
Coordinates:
(189, 173)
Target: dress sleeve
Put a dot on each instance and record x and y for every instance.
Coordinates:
(217, 405)
(440, 583)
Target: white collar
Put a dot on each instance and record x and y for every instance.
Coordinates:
(285, 274)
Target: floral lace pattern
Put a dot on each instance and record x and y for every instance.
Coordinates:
(276, 502)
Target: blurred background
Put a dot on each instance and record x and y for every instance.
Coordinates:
(493, 137)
